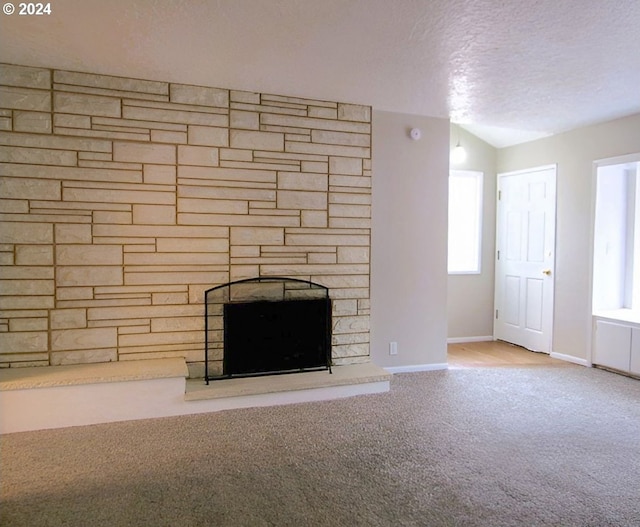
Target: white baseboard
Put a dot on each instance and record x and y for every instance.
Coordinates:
(459, 340)
(417, 367)
(570, 358)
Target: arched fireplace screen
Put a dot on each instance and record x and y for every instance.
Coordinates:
(266, 326)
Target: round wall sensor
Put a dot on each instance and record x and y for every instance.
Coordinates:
(416, 134)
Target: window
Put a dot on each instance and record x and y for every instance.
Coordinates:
(616, 244)
(465, 221)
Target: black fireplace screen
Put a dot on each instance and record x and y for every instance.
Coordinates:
(266, 325)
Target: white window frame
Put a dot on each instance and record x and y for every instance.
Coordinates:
(465, 231)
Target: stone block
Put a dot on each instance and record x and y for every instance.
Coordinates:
(25, 99)
(160, 325)
(23, 342)
(244, 97)
(245, 251)
(313, 218)
(350, 211)
(14, 206)
(27, 287)
(61, 358)
(350, 338)
(322, 258)
(340, 138)
(74, 293)
(354, 112)
(160, 231)
(170, 260)
(85, 104)
(6, 123)
(72, 121)
(159, 174)
(37, 122)
(351, 198)
(193, 245)
(347, 166)
(256, 236)
(326, 239)
(26, 188)
(230, 154)
(24, 76)
(71, 233)
(353, 324)
(257, 140)
(88, 255)
(350, 350)
(34, 255)
(241, 272)
(163, 136)
(37, 156)
(28, 324)
(202, 96)
(302, 181)
(110, 82)
(323, 113)
(170, 299)
(320, 167)
(349, 223)
(88, 195)
(49, 141)
(230, 174)
(25, 302)
(130, 110)
(22, 232)
(244, 120)
(212, 206)
(314, 124)
(233, 193)
(353, 254)
(177, 277)
(208, 136)
(327, 150)
(74, 276)
(68, 318)
(144, 153)
(198, 155)
(292, 199)
(106, 216)
(350, 181)
(154, 214)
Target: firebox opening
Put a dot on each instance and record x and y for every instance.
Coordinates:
(266, 326)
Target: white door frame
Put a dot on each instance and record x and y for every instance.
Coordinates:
(553, 267)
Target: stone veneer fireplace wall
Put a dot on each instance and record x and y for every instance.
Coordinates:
(123, 200)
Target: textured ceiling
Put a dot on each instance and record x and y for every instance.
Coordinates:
(508, 70)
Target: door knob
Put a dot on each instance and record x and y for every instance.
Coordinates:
(547, 272)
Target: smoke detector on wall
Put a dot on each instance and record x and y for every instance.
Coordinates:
(415, 134)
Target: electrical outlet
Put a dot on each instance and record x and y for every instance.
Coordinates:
(393, 348)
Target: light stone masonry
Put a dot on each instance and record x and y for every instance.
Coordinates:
(122, 200)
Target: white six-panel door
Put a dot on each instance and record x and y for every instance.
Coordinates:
(525, 242)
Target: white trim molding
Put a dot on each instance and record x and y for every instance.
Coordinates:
(417, 367)
(460, 340)
(570, 358)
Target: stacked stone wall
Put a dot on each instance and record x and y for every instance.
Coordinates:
(122, 200)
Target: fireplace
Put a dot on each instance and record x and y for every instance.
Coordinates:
(266, 326)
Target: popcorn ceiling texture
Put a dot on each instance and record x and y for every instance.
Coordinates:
(124, 199)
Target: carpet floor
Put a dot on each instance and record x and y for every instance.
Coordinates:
(479, 447)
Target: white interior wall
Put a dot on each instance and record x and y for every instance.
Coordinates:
(470, 297)
(574, 152)
(409, 240)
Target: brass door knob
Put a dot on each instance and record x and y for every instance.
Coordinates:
(547, 272)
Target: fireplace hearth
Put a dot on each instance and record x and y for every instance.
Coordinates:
(266, 326)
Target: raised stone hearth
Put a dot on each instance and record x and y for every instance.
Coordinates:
(62, 396)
